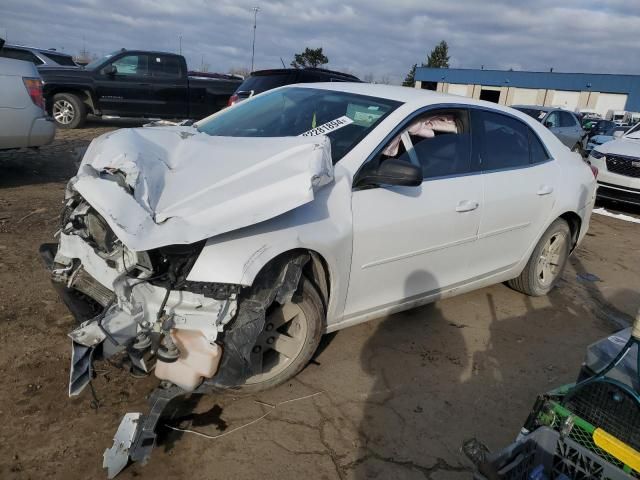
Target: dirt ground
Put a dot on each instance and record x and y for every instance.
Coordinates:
(397, 395)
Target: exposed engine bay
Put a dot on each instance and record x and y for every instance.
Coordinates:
(140, 306)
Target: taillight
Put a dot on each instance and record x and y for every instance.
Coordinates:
(594, 170)
(34, 88)
(233, 99)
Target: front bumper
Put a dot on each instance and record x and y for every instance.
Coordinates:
(620, 194)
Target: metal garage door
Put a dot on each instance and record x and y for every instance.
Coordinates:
(456, 89)
(524, 96)
(565, 99)
(610, 101)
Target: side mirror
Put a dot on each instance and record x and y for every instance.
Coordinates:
(393, 172)
(618, 134)
(110, 69)
(548, 124)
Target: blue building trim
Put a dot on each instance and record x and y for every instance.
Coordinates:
(595, 82)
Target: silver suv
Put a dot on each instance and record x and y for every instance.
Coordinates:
(38, 56)
(562, 123)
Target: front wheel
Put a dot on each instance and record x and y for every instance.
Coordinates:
(289, 339)
(547, 261)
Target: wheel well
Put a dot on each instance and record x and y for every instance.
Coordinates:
(315, 270)
(575, 222)
(81, 94)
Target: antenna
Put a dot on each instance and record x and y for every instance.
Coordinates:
(283, 65)
(253, 45)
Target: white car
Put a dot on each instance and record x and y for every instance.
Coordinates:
(221, 252)
(618, 164)
(23, 121)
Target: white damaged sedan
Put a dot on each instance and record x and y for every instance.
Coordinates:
(216, 255)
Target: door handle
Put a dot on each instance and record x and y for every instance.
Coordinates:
(545, 190)
(466, 206)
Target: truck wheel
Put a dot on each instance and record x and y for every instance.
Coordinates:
(68, 110)
(547, 261)
(288, 341)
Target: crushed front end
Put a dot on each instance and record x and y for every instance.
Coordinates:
(138, 305)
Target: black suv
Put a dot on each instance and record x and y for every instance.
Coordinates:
(263, 80)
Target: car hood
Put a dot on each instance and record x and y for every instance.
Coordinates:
(159, 186)
(622, 146)
(601, 139)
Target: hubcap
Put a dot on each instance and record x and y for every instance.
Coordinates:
(280, 343)
(551, 259)
(63, 112)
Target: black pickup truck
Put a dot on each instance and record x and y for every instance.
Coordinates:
(133, 83)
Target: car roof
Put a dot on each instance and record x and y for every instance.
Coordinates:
(408, 95)
(280, 71)
(39, 50)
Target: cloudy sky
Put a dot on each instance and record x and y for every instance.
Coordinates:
(378, 37)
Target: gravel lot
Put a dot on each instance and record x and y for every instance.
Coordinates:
(397, 395)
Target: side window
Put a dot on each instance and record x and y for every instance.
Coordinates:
(130, 65)
(499, 141)
(439, 141)
(165, 66)
(553, 120)
(537, 151)
(566, 119)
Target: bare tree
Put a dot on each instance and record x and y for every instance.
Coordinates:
(368, 77)
(385, 80)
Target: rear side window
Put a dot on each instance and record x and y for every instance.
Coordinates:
(262, 83)
(165, 66)
(19, 54)
(537, 151)
(61, 59)
(566, 119)
(499, 141)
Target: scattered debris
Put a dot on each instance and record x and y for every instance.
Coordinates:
(34, 212)
(588, 277)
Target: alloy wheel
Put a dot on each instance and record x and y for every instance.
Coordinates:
(279, 343)
(63, 112)
(551, 259)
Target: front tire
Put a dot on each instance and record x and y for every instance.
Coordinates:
(289, 339)
(68, 111)
(547, 261)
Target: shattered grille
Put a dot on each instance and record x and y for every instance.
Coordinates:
(622, 165)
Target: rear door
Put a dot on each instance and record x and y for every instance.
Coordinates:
(520, 182)
(169, 86)
(127, 90)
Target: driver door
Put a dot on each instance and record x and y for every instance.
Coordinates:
(414, 242)
(126, 91)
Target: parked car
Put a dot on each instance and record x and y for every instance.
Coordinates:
(306, 209)
(38, 56)
(23, 121)
(132, 83)
(618, 163)
(562, 123)
(600, 128)
(263, 80)
(619, 117)
(607, 136)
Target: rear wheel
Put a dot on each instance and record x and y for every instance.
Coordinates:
(68, 110)
(547, 261)
(289, 339)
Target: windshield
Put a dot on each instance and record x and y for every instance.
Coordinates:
(634, 132)
(345, 118)
(533, 112)
(98, 61)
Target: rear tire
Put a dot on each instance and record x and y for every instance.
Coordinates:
(547, 261)
(295, 328)
(68, 111)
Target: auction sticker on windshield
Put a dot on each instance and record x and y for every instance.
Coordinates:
(328, 127)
